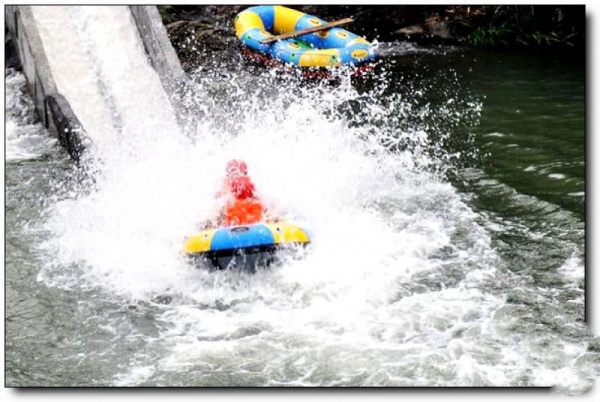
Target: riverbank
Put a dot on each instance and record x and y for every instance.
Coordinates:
(198, 31)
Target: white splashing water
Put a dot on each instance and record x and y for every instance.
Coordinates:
(377, 222)
(392, 291)
(26, 137)
(102, 73)
(573, 269)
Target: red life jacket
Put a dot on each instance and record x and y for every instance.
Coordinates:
(243, 212)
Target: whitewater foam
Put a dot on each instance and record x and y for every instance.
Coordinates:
(401, 286)
(26, 137)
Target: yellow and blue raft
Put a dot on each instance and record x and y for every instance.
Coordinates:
(244, 247)
(331, 48)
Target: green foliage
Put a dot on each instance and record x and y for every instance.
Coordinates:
(167, 14)
(490, 36)
(528, 25)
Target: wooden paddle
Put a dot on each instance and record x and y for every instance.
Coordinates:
(307, 30)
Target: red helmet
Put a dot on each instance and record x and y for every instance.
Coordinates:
(242, 187)
(236, 167)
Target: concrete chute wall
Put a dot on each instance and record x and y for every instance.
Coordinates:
(53, 107)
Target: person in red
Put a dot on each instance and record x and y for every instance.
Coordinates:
(241, 204)
(234, 168)
(244, 208)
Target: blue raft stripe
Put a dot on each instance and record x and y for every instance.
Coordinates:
(346, 54)
(332, 41)
(252, 39)
(266, 14)
(283, 51)
(232, 238)
(311, 39)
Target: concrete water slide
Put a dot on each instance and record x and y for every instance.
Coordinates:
(57, 101)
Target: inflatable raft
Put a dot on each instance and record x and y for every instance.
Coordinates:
(329, 48)
(244, 247)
